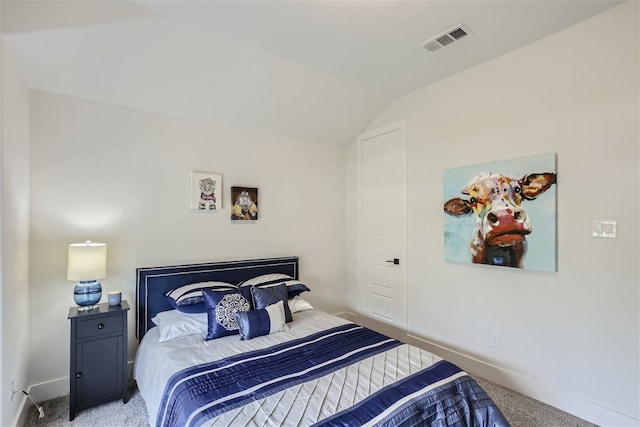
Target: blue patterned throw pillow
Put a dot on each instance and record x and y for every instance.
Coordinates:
(266, 321)
(264, 297)
(222, 307)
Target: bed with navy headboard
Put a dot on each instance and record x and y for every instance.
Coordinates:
(153, 282)
(286, 363)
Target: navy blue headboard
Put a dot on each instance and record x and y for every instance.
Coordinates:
(153, 282)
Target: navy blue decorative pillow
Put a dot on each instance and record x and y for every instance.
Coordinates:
(188, 298)
(263, 297)
(245, 291)
(222, 306)
(294, 287)
(256, 323)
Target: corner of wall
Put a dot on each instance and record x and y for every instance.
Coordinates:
(14, 233)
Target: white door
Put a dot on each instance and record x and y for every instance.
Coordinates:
(382, 226)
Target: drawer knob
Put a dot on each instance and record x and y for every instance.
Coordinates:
(79, 375)
(100, 325)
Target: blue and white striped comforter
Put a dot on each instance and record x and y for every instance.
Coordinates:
(342, 376)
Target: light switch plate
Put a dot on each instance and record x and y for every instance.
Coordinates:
(604, 228)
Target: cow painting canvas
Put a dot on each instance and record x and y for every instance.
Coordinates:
(502, 213)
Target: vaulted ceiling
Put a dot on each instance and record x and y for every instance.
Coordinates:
(313, 70)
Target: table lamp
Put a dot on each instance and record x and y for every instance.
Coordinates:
(87, 262)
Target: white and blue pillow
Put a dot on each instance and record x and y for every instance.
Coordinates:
(188, 298)
(264, 297)
(261, 322)
(222, 307)
(294, 287)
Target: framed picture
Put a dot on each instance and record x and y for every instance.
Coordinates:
(244, 204)
(502, 213)
(206, 191)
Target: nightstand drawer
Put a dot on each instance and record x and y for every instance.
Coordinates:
(100, 326)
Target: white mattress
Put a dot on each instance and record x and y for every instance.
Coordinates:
(302, 404)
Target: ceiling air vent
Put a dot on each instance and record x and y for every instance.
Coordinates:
(446, 38)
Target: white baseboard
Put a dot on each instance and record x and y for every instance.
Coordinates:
(45, 391)
(21, 414)
(40, 392)
(568, 402)
(347, 316)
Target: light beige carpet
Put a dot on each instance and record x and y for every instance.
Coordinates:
(522, 411)
(519, 410)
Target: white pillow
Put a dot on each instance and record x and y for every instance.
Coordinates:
(175, 324)
(297, 304)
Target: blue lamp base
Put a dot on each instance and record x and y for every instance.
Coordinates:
(87, 294)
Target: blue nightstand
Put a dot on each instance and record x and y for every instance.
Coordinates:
(98, 359)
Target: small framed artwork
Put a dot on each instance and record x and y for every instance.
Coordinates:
(244, 203)
(206, 191)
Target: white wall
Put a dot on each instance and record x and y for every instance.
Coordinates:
(14, 232)
(121, 176)
(570, 338)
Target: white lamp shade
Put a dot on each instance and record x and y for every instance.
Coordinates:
(87, 261)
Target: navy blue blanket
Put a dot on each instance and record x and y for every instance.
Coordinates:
(199, 393)
(440, 396)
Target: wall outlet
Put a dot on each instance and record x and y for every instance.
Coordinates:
(494, 340)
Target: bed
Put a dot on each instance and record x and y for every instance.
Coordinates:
(286, 363)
